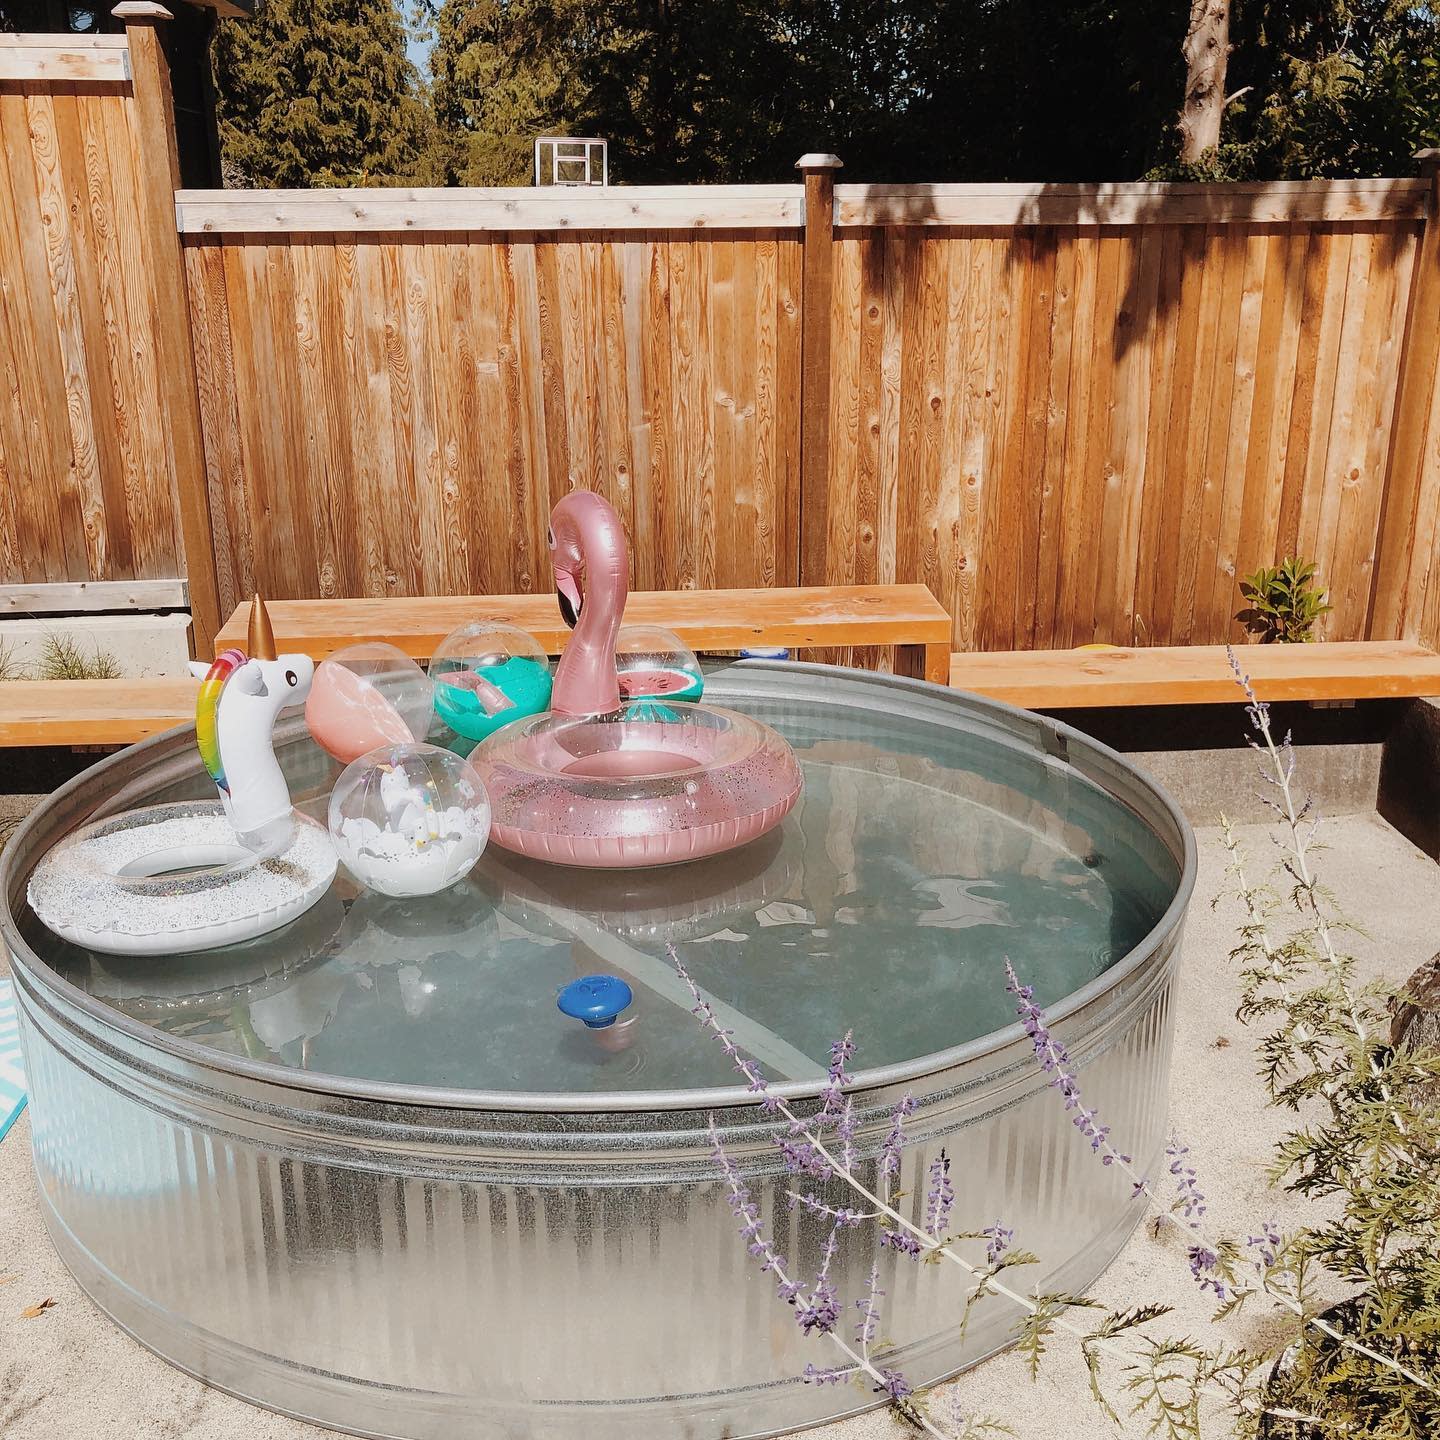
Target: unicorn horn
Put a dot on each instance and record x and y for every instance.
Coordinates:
(261, 645)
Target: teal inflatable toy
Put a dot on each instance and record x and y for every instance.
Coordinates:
(487, 674)
(476, 703)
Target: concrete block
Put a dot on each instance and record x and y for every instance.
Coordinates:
(142, 644)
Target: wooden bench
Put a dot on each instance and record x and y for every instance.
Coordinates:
(905, 616)
(93, 712)
(1198, 674)
(118, 712)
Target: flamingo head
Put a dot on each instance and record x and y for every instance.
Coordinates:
(587, 552)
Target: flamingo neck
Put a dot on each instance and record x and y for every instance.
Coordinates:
(585, 680)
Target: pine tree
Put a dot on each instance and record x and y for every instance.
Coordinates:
(318, 92)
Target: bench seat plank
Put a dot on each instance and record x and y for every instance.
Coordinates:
(93, 712)
(1198, 674)
(799, 619)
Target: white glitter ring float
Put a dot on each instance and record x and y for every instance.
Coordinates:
(173, 878)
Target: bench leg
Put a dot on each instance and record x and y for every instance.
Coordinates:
(924, 662)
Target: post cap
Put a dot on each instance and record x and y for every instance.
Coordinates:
(131, 10)
(1428, 158)
(818, 161)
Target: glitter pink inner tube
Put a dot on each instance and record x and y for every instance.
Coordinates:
(585, 784)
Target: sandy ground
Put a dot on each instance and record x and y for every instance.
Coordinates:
(70, 1373)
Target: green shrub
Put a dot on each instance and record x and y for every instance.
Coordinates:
(1285, 602)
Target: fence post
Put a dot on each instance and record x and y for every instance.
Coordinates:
(1393, 612)
(819, 172)
(159, 169)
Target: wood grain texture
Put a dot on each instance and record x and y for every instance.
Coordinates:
(1199, 674)
(93, 712)
(726, 619)
(1131, 203)
(1078, 433)
(393, 416)
(87, 454)
(408, 211)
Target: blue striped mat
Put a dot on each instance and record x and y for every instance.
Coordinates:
(12, 1073)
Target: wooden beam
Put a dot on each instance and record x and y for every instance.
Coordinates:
(93, 596)
(1270, 202)
(1398, 582)
(82, 59)
(1198, 674)
(704, 619)
(613, 207)
(819, 172)
(93, 712)
(159, 171)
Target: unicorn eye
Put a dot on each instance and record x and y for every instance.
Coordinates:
(550, 538)
(291, 678)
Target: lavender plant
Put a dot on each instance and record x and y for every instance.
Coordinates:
(1365, 1142)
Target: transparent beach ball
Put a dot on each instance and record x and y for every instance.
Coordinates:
(487, 674)
(655, 667)
(409, 819)
(365, 696)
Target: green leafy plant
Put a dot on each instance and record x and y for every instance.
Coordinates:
(64, 658)
(1285, 602)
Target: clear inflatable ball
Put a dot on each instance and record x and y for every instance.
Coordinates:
(409, 819)
(365, 696)
(487, 674)
(655, 669)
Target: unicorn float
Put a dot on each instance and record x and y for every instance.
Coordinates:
(609, 779)
(195, 875)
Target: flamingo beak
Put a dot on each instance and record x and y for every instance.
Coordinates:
(567, 592)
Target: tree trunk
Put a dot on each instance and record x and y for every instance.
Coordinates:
(1207, 53)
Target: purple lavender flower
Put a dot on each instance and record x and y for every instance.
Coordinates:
(893, 1384)
(1055, 1062)
(821, 1310)
(900, 1241)
(891, 1145)
(747, 1212)
(705, 1013)
(998, 1240)
(1266, 1243)
(1205, 1267)
(841, 1053)
(869, 1307)
(841, 1214)
(1192, 1202)
(941, 1196)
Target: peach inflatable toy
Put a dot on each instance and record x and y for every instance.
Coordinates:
(365, 696)
(595, 782)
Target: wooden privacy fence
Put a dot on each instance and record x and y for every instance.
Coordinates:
(1074, 412)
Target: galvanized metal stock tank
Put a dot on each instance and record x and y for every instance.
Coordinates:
(405, 1260)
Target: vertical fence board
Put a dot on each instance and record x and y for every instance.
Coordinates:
(1070, 432)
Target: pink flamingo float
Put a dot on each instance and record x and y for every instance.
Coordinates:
(595, 782)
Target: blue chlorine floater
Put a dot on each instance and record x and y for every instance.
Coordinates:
(595, 999)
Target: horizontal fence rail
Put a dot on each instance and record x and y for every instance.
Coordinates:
(88, 59)
(640, 207)
(1276, 202)
(1075, 412)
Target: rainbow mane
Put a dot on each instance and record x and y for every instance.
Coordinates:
(207, 710)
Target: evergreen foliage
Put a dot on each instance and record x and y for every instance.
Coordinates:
(318, 92)
(716, 90)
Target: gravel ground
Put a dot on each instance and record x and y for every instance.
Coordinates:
(70, 1373)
